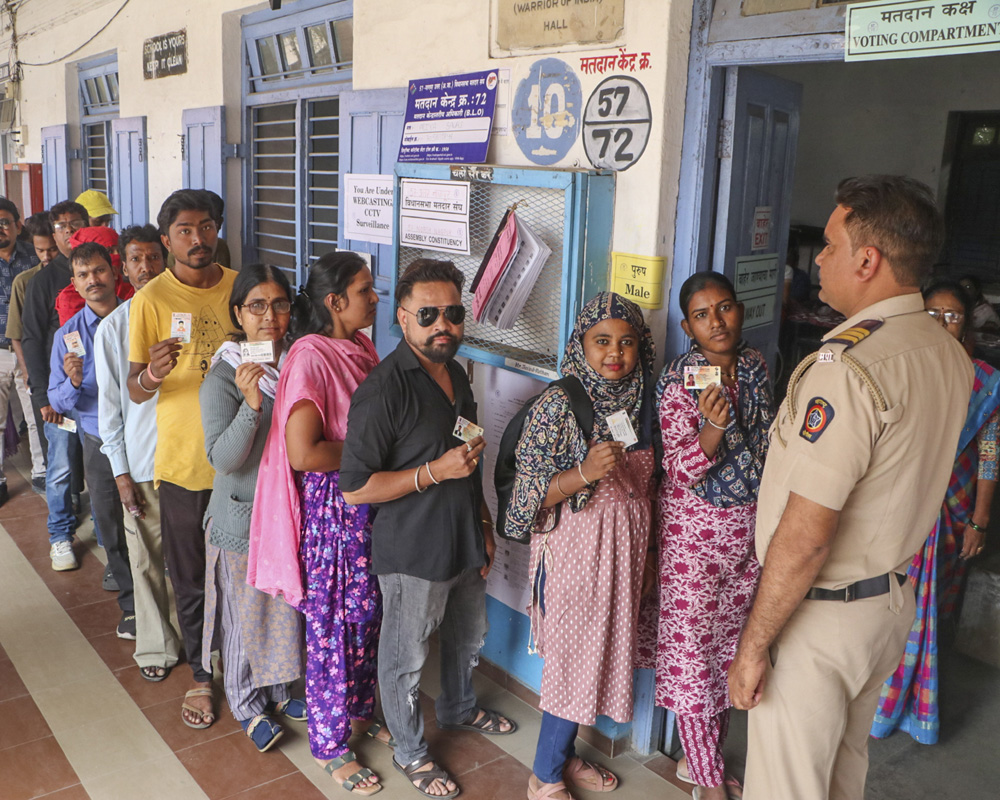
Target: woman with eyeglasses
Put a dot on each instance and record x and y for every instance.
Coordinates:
(261, 636)
(306, 543)
(909, 700)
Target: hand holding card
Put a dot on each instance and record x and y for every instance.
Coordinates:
(621, 428)
(180, 326)
(701, 377)
(465, 430)
(257, 352)
(74, 343)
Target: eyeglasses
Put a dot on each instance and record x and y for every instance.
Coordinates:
(6, 223)
(949, 317)
(259, 307)
(427, 315)
(74, 226)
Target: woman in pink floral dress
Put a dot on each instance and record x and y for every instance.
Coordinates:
(714, 443)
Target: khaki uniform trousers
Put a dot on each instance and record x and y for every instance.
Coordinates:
(808, 738)
(157, 643)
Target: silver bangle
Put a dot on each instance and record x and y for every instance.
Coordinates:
(579, 468)
(416, 481)
(431, 474)
(138, 380)
(720, 427)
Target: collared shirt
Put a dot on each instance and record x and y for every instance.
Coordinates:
(63, 395)
(128, 430)
(399, 419)
(40, 321)
(886, 472)
(19, 287)
(23, 258)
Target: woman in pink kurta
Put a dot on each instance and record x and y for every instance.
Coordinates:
(714, 443)
(586, 507)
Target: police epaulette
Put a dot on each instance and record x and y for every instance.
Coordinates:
(852, 336)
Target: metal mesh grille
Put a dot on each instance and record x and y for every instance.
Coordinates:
(95, 156)
(534, 339)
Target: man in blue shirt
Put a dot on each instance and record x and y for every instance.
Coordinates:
(15, 258)
(73, 390)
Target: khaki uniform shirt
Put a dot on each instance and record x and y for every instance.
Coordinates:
(886, 472)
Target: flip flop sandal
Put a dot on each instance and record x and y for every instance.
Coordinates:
(377, 727)
(351, 784)
(581, 774)
(203, 692)
(684, 776)
(422, 780)
(294, 708)
(263, 731)
(488, 723)
(149, 673)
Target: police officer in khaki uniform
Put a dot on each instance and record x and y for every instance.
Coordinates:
(860, 457)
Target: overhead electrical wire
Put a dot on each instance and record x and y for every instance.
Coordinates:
(78, 49)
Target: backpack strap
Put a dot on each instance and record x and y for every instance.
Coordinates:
(579, 403)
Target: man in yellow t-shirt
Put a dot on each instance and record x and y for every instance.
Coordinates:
(176, 324)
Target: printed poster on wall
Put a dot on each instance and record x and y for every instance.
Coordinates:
(449, 119)
(757, 288)
(368, 208)
(434, 215)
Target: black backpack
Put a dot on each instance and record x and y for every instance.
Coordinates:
(506, 466)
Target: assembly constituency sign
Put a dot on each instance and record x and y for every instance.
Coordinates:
(932, 28)
(449, 119)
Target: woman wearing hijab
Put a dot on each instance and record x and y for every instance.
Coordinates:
(261, 636)
(306, 542)
(714, 444)
(586, 507)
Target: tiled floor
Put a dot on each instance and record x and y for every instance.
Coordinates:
(77, 720)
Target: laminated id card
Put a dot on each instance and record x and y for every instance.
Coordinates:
(621, 428)
(701, 377)
(465, 430)
(74, 344)
(180, 326)
(257, 352)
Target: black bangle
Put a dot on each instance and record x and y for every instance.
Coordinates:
(976, 528)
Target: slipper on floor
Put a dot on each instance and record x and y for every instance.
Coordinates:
(377, 727)
(683, 776)
(351, 784)
(422, 780)
(262, 731)
(150, 673)
(548, 792)
(200, 692)
(581, 774)
(294, 708)
(488, 723)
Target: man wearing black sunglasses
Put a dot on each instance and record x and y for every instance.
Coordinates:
(432, 539)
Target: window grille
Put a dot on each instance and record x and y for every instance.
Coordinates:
(95, 156)
(273, 175)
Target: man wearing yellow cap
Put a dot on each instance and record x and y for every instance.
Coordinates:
(98, 207)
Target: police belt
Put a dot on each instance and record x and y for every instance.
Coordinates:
(860, 590)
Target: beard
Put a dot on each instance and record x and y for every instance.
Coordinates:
(439, 353)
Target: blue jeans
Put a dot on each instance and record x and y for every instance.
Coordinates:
(63, 447)
(412, 609)
(555, 747)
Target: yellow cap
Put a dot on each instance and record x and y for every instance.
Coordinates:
(96, 203)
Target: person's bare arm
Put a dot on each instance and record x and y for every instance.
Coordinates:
(308, 448)
(383, 487)
(800, 547)
(162, 360)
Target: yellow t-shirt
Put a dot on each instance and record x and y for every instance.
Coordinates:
(180, 446)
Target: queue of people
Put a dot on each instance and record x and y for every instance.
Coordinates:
(317, 519)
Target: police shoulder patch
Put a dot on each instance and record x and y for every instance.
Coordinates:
(819, 415)
(852, 336)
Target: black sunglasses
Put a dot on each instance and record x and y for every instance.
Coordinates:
(427, 315)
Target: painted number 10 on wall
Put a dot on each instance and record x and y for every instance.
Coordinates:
(546, 112)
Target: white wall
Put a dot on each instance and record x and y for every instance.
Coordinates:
(880, 117)
(399, 40)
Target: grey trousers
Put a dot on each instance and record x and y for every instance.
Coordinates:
(412, 609)
(106, 506)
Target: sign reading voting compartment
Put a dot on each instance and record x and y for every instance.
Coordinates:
(449, 119)
(756, 286)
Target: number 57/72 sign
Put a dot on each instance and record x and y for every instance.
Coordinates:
(616, 123)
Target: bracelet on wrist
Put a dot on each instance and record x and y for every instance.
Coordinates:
(138, 380)
(487, 522)
(976, 528)
(719, 427)
(579, 468)
(559, 486)
(430, 474)
(152, 377)
(416, 481)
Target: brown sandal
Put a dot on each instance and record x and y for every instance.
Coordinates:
(581, 774)
(545, 791)
(422, 780)
(210, 715)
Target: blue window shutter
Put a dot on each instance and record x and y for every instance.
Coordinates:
(371, 127)
(204, 137)
(129, 192)
(55, 175)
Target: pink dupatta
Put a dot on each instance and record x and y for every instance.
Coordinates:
(325, 371)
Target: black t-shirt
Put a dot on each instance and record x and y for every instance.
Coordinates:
(399, 419)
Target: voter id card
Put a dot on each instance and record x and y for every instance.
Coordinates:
(68, 425)
(465, 430)
(701, 377)
(180, 326)
(621, 428)
(257, 352)
(74, 344)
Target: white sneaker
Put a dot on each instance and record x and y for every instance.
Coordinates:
(62, 556)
